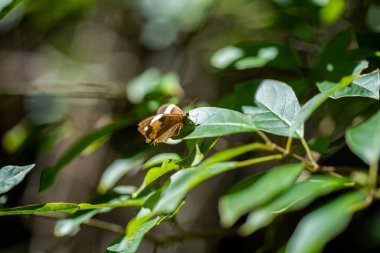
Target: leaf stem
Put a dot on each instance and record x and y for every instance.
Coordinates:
(103, 225)
(258, 160)
(372, 177)
(311, 167)
(289, 145)
(264, 137)
(308, 152)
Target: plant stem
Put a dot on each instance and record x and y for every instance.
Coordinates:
(259, 160)
(264, 137)
(308, 152)
(372, 177)
(104, 225)
(170, 239)
(289, 145)
(311, 167)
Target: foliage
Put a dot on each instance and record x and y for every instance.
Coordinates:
(278, 124)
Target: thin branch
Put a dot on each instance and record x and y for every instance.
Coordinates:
(308, 152)
(171, 239)
(372, 180)
(289, 144)
(308, 164)
(259, 160)
(95, 223)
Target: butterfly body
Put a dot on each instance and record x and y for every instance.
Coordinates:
(167, 123)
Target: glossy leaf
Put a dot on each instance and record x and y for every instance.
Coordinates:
(117, 170)
(277, 105)
(297, 197)
(10, 176)
(363, 86)
(364, 139)
(48, 176)
(130, 244)
(183, 181)
(160, 158)
(213, 121)
(257, 191)
(323, 224)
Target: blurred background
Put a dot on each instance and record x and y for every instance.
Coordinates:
(70, 67)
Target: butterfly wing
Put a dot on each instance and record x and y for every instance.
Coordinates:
(173, 131)
(143, 128)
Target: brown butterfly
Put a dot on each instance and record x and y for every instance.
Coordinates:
(167, 123)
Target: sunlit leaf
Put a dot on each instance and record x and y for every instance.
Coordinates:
(363, 86)
(10, 176)
(44, 208)
(130, 244)
(212, 121)
(323, 224)
(68, 207)
(364, 139)
(227, 154)
(160, 158)
(276, 108)
(48, 176)
(156, 172)
(183, 181)
(297, 197)
(117, 170)
(256, 191)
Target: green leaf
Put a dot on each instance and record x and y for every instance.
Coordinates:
(10, 176)
(48, 176)
(364, 139)
(230, 153)
(297, 197)
(160, 158)
(183, 181)
(323, 224)
(198, 149)
(213, 121)
(44, 208)
(117, 170)
(363, 86)
(277, 105)
(68, 207)
(316, 101)
(257, 191)
(155, 173)
(130, 244)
